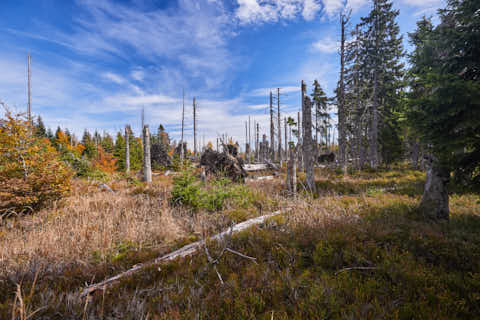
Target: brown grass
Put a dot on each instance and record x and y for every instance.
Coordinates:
(87, 228)
(306, 258)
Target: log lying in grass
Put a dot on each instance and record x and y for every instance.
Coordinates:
(185, 251)
(261, 166)
(260, 178)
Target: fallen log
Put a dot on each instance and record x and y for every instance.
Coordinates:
(185, 251)
(255, 167)
(260, 178)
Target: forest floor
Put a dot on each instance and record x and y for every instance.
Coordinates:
(359, 249)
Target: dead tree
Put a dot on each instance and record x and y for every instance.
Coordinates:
(183, 123)
(342, 132)
(29, 107)
(194, 129)
(292, 171)
(246, 141)
(307, 145)
(264, 148)
(257, 133)
(286, 142)
(279, 133)
(300, 131)
(272, 130)
(147, 163)
(434, 203)
(127, 149)
(249, 141)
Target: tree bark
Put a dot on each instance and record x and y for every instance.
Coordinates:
(342, 141)
(374, 120)
(272, 130)
(182, 155)
(434, 203)
(147, 164)
(292, 171)
(279, 133)
(299, 142)
(308, 151)
(194, 129)
(127, 150)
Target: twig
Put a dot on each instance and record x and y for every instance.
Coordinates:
(183, 252)
(242, 255)
(355, 268)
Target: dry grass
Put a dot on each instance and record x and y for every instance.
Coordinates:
(88, 228)
(310, 260)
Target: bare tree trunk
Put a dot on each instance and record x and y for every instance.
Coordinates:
(434, 203)
(264, 147)
(29, 107)
(299, 142)
(279, 133)
(415, 152)
(292, 171)
(286, 142)
(249, 141)
(374, 123)
(194, 129)
(272, 130)
(341, 99)
(246, 141)
(127, 150)
(308, 145)
(257, 137)
(183, 123)
(147, 164)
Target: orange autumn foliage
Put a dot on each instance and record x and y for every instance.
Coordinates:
(105, 161)
(31, 172)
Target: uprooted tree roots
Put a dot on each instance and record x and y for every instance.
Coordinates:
(226, 163)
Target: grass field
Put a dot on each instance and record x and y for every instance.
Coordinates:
(358, 249)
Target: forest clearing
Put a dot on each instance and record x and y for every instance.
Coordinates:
(359, 250)
(360, 201)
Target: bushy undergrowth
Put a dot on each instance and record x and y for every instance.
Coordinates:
(366, 255)
(213, 195)
(31, 172)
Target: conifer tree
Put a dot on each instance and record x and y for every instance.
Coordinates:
(445, 100)
(320, 101)
(382, 49)
(40, 130)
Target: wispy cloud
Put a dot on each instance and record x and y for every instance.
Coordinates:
(326, 45)
(114, 77)
(264, 92)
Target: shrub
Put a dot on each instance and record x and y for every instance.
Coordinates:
(190, 191)
(31, 172)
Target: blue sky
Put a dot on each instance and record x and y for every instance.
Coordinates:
(96, 63)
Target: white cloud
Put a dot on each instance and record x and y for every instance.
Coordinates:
(138, 74)
(265, 92)
(424, 3)
(141, 100)
(108, 29)
(118, 79)
(326, 45)
(260, 11)
(258, 107)
(310, 9)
